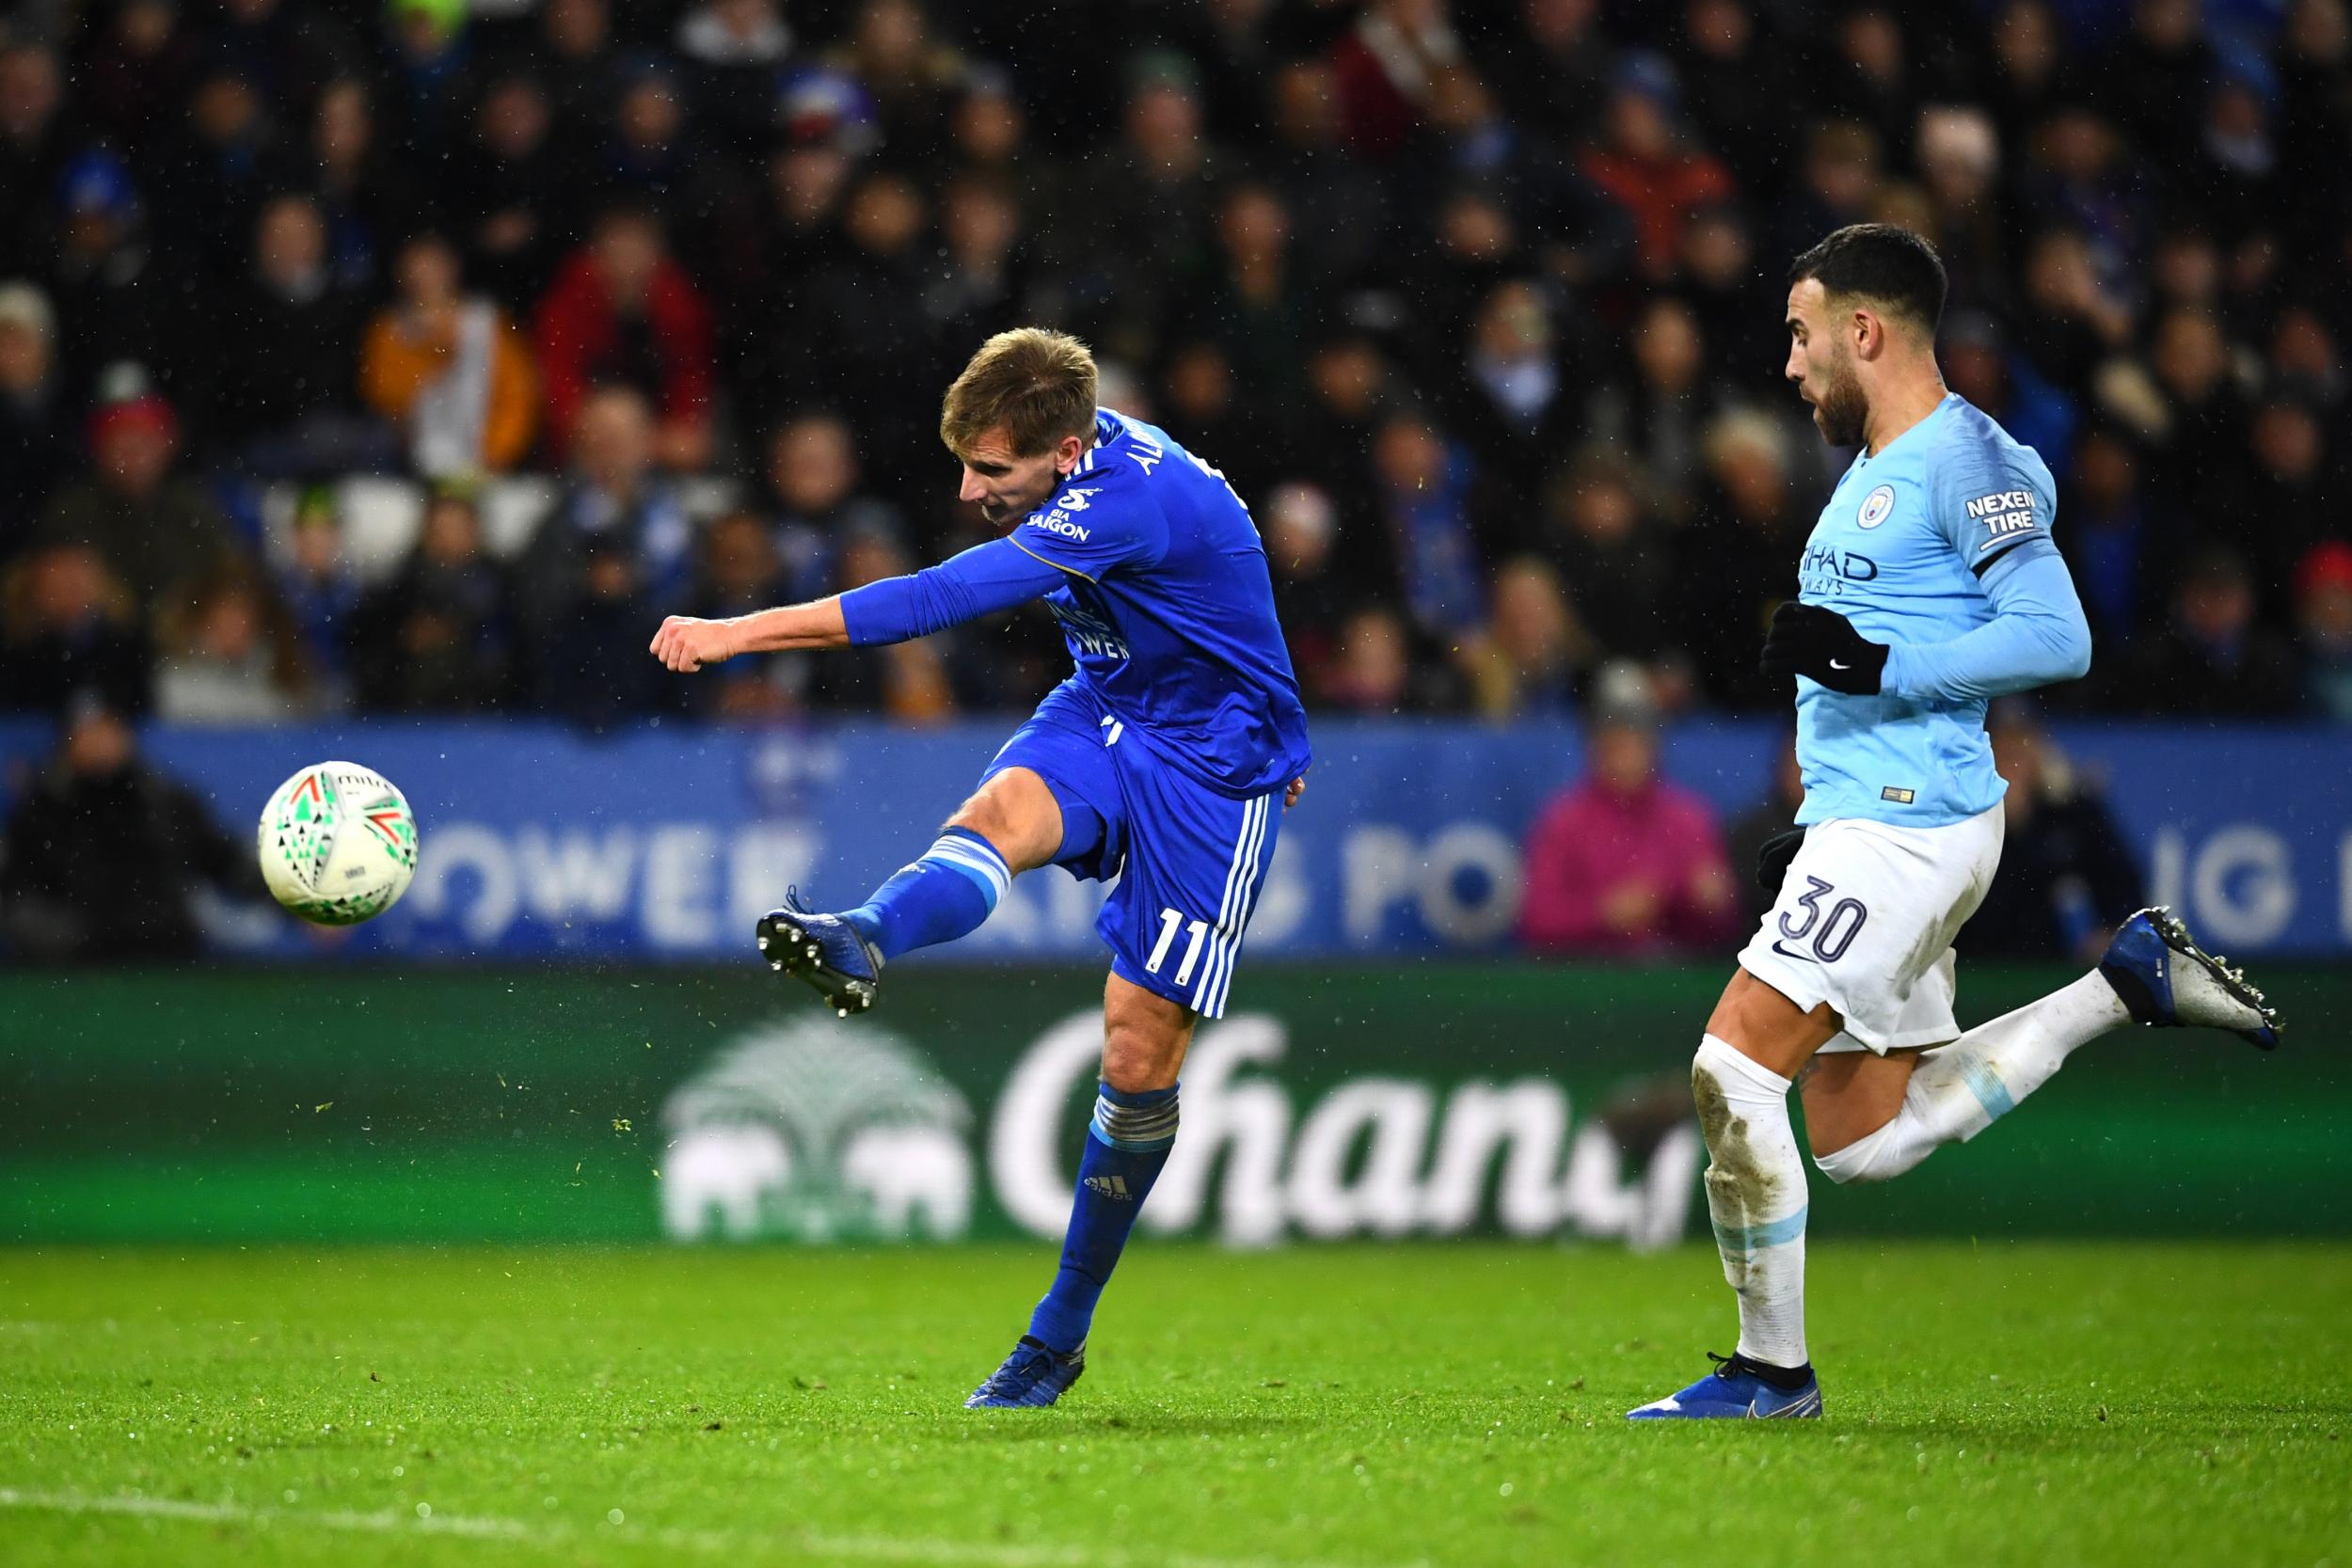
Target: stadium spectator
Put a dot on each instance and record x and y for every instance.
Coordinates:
(1624, 864)
(366, 196)
(1977, 365)
(2069, 323)
(1775, 815)
(289, 51)
(1512, 400)
(575, 58)
(905, 681)
(1254, 303)
(209, 185)
(154, 529)
(813, 477)
(1145, 201)
(1310, 599)
(1738, 81)
(735, 47)
(986, 280)
(646, 160)
(622, 312)
(321, 593)
(1536, 650)
(450, 371)
(1750, 530)
(136, 68)
(37, 444)
(507, 204)
(737, 573)
(2323, 621)
(231, 656)
(1616, 557)
(38, 140)
(440, 637)
(911, 75)
(102, 859)
(1647, 166)
(2118, 544)
(1199, 394)
(1286, 222)
(1372, 673)
(424, 63)
(615, 492)
(112, 303)
(1424, 508)
(2215, 659)
(865, 337)
(285, 347)
(1656, 417)
(594, 671)
(1557, 69)
(1386, 69)
(2282, 487)
(1341, 210)
(2066, 879)
(69, 629)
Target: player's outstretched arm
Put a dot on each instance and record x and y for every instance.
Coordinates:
(687, 643)
(982, 581)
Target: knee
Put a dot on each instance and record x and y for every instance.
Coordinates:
(1865, 1159)
(1138, 1060)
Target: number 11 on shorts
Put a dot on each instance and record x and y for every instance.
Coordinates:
(1170, 922)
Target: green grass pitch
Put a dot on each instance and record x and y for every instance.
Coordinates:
(1355, 1408)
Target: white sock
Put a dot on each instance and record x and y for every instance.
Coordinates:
(1959, 1089)
(1756, 1195)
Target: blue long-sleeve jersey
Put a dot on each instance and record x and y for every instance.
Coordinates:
(1154, 570)
(1938, 545)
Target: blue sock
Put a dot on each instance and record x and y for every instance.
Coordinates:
(942, 896)
(1126, 1146)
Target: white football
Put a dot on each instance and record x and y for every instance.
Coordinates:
(338, 844)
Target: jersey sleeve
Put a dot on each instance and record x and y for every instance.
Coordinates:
(1997, 508)
(1095, 524)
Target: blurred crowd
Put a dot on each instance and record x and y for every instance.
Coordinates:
(1478, 305)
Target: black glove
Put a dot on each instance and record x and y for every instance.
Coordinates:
(1806, 640)
(1773, 858)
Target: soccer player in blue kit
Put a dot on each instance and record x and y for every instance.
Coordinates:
(1159, 761)
(1930, 585)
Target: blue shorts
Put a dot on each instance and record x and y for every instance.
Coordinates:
(1189, 860)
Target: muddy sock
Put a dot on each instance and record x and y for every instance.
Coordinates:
(1959, 1089)
(1755, 1195)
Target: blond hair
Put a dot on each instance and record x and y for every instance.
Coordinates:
(1037, 386)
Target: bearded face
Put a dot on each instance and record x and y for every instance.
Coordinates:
(1840, 407)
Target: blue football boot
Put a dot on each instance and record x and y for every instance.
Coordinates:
(2167, 980)
(1033, 1376)
(1734, 1391)
(825, 950)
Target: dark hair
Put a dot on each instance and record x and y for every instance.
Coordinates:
(1881, 262)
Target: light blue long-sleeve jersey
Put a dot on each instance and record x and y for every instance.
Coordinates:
(1938, 545)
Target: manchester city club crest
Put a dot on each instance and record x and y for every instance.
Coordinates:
(1875, 506)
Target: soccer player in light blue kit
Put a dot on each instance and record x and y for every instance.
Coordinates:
(1929, 586)
(1160, 761)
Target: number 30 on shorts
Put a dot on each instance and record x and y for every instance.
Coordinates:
(1197, 931)
(1833, 931)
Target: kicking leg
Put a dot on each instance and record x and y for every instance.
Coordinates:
(1013, 823)
(1144, 1037)
(1756, 1041)
(1870, 1120)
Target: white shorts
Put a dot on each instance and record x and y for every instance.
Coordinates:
(1865, 922)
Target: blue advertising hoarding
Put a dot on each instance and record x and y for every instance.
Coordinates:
(664, 843)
